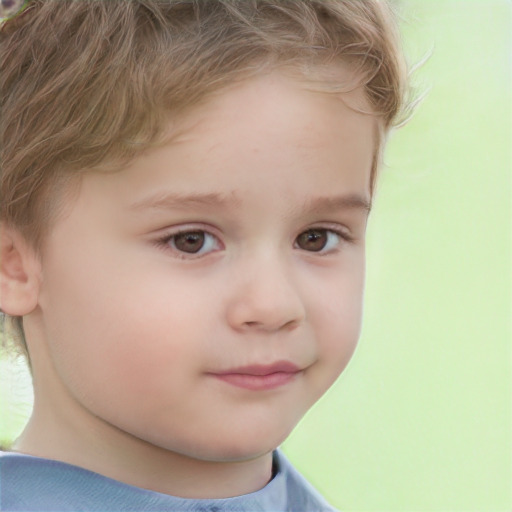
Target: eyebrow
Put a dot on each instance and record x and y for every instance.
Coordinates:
(343, 202)
(168, 201)
(218, 201)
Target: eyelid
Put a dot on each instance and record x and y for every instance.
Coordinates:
(162, 241)
(341, 231)
(166, 234)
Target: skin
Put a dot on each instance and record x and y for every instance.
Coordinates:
(126, 331)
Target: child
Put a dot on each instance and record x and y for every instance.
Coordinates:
(185, 187)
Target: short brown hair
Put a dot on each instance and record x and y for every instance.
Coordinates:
(86, 83)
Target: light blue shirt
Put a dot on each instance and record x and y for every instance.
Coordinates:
(34, 484)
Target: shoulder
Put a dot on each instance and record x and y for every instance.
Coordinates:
(36, 484)
(14, 476)
(32, 483)
(301, 494)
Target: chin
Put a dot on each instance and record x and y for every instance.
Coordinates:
(244, 436)
(235, 446)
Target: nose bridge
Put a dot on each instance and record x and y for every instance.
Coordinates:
(265, 295)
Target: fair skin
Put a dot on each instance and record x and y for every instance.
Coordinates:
(132, 329)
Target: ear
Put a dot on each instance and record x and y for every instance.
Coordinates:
(19, 273)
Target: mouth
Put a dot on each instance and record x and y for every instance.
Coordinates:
(260, 377)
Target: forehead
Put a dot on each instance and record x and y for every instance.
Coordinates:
(267, 125)
(265, 141)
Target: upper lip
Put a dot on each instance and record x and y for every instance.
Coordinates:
(263, 369)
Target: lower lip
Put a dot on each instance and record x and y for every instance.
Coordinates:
(258, 382)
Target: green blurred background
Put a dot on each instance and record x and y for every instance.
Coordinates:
(421, 420)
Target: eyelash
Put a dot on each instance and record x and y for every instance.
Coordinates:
(343, 237)
(165, 241)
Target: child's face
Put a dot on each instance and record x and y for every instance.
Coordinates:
(239, 244)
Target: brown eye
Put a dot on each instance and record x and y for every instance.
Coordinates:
(313, 240)
(190, 241)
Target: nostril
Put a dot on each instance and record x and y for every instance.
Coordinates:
(277, 326)
(267, 303)
(292, 324)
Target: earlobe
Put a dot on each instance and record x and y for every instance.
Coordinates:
(19, 273)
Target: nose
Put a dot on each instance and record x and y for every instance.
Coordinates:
(265, 297)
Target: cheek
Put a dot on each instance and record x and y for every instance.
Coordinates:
(123, 331)
(339, 317)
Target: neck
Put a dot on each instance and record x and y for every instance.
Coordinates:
(115, 454)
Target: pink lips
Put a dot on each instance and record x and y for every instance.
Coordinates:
(260, 377)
